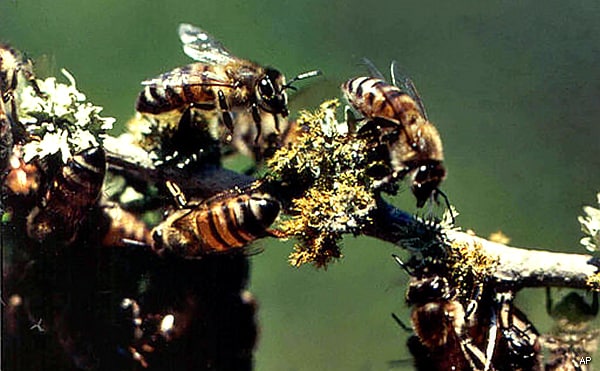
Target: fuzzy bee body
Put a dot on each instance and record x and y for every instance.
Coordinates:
(439, 321)
(217, 225)
(73, 191)
(218, 81)
(397, 119)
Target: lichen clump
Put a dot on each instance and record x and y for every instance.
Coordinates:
(590, 225)
(468, 264)
(338, 200)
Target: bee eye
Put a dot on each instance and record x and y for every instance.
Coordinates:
(265, 88)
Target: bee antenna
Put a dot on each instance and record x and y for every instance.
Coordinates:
(403, 265)
(302, 76)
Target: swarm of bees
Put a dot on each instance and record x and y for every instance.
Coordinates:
(180, 281)
(60, 216)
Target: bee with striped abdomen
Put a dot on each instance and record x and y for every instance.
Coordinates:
(224, 223)
(396, 119)
(218, 81)
(73, 191)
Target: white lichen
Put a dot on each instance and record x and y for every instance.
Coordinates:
(61, 120)
(590, 225)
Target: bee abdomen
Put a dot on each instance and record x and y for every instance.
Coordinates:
(158, 99)
(374, 97)
(234, 223)
(73, 191)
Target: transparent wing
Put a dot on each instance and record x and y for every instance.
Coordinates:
(187, 76)
(401, 80)
(374, 71)
(202, 46)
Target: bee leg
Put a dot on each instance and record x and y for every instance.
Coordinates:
(276, 119)
(176, 193)
(257, 120)
(225, 112)
(275, 233)
(402, 325)
(403, 265)
(474, 300)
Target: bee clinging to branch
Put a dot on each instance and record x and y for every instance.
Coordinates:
(66, 203)
(224, 223)
(395, 117)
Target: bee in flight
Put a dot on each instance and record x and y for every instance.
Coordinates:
(73, 191)
(224, 223)
(397, 119)
(218, 81)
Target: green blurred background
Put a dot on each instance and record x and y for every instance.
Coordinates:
(513, 88)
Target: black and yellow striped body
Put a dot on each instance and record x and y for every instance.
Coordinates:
(198, 84)
(374, 97)
(396, 122)
(217, 226)
(73, 191)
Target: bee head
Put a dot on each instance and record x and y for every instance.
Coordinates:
(427, 290)
(271, 88)
(270, 92)
(426, 180)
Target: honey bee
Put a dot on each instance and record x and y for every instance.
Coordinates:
(438, 319)
(519, 345)
(218, 81)
(224, 223)
(396, 117)
(573, 338)
(73, 191)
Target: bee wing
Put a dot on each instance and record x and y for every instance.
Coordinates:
(183, 76)
(202, 46)
(401, 80)
(374, 71)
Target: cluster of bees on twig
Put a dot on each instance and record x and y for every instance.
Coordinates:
(52, 201)
(484, 330)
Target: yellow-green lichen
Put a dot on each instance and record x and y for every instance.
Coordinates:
(337, 201)
(469, 265)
